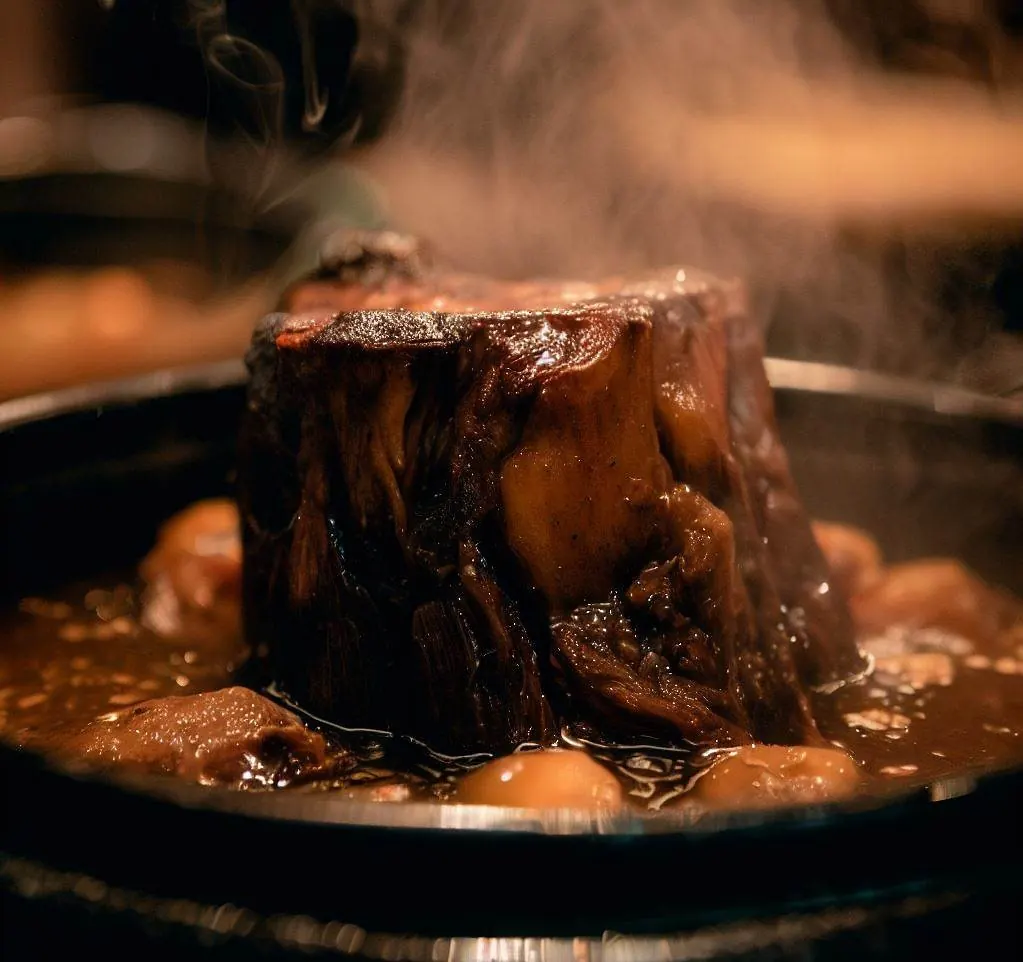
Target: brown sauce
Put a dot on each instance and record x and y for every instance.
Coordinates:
(945, 695)
(65, 660)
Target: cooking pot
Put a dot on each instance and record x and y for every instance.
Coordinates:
(147, 867)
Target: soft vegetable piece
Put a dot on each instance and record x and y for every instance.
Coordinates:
(935, 593)
(542, 779)
(199, 552)
(195, 566)
(474, 526)
(852, 555)
(762, 776)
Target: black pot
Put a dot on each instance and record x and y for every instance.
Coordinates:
(151, 868)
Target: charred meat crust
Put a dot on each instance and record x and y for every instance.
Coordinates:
(478, 527)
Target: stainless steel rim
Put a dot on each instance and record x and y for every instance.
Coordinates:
(783, 373)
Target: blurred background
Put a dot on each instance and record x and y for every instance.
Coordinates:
(166, 165)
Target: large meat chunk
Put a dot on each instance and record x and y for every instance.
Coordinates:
(477, 512)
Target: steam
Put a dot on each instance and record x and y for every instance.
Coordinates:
(247, 85)
(316, 100)
(254, 80)
(747, 136)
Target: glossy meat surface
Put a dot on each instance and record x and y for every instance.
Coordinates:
(477, 512)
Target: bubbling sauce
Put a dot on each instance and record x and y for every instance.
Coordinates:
(141, 674)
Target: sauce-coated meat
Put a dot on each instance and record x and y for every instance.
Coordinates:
(476, 512)
(231, 737)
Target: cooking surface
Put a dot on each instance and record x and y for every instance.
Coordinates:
(937, 703)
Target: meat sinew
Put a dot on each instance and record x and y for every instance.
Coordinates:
(478, 512)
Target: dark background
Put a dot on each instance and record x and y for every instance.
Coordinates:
(150, 51)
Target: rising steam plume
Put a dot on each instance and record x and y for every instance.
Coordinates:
(753, 137)
(747, 136)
